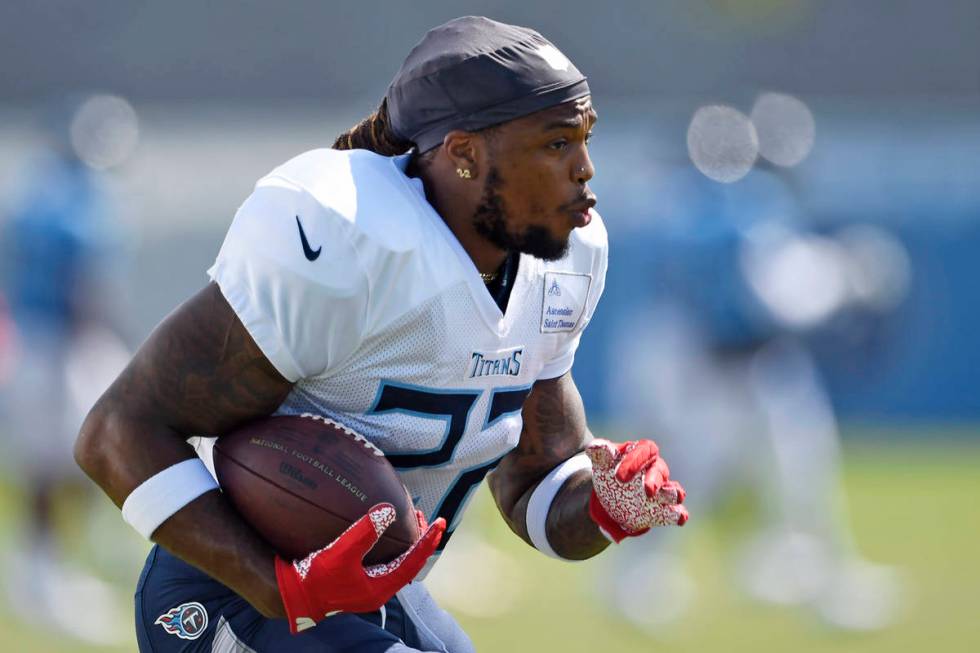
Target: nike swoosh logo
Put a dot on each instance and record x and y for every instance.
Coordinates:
(311, 254)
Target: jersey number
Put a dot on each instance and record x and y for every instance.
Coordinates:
(454, 408)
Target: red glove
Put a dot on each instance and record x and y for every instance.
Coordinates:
(632, 490)
(334, 579)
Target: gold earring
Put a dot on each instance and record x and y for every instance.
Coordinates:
(463, 173)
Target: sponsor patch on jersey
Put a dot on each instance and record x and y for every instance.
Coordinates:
(505, 362)
(565, 295)
(186, 621)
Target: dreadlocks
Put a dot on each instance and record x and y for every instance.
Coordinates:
(374, 133)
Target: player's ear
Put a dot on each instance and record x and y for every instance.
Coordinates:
(462, 149)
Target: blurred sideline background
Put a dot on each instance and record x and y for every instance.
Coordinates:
(792, 193)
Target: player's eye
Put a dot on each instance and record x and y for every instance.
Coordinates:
(560, 144)
(588, 138)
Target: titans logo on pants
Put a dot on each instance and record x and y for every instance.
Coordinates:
(186, 621)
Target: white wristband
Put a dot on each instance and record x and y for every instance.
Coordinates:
(544, 495)
(164, 493)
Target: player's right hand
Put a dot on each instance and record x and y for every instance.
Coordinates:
(334, 579)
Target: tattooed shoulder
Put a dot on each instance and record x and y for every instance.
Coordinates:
(200, 371)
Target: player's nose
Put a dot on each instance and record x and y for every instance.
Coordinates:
(583, 170)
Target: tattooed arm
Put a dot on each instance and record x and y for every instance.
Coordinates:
(199, 373)
(554, 431)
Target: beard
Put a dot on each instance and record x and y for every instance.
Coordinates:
(490, 220)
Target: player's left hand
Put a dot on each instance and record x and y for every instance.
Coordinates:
(631, 489)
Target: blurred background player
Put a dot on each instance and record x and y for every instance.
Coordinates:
(729, 286)
(60, 251)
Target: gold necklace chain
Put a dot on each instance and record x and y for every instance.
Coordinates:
(489, 277)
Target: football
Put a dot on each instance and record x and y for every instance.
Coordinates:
(302, 480)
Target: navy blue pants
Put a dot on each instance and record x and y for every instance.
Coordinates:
(180, 608)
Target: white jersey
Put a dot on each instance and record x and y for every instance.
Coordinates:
(356, 290)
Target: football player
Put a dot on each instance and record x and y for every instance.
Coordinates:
(424, 282)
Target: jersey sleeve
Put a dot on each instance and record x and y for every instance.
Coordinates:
(592, 256)
(291, 274)
(562, 363)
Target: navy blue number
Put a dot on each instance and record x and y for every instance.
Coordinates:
(504, 403)
(454, 407)
(457, 494)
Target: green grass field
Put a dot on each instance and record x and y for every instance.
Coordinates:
(912, 504)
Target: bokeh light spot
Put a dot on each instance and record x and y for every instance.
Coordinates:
(785, 127)
(722, 143)
(104, 131)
